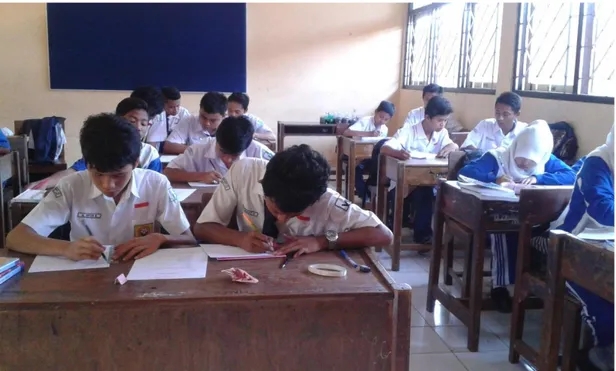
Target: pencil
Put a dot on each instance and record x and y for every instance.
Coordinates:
(250, 223)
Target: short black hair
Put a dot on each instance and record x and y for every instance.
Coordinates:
(130, 104)
(438, 106)
(214, 102)
(296, 178)
(171, 93)
(510, 99)
(109, 142)
(240, 98)
(432, 88)
(234, 135)
(152, 96)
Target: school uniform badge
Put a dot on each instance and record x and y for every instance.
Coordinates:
(342, 203)
(225, 184)
(267, 155)
(142, 230)
(56, 192)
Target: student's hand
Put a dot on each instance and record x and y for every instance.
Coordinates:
(504, 179)
(85, 248)
(376, 133)
(257, 242)
(300, 245)
(445, 151)
(403, 155)
(212, 177)
(529, 181)
(139, 247)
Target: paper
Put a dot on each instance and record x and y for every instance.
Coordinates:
(202, 185)
(492, 186)
(487, 194)
(423, 155)
(165, 159)
(371, 139)
(170, 264)
(597, 234)
(183, 193)
(30, 195)
(222, 252)
(59, 263)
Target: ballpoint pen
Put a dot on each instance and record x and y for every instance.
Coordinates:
(286, 260)
(358, 267)
(91, 235)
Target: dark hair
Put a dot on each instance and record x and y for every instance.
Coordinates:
(432, 88)
(214, 102)
(438, 106)
(386, 107)
(152, 96)
(296, 178)
(510, 99)
(240, 98)
(171, 93)
(234, 135)
(109, 142)
(130, 104)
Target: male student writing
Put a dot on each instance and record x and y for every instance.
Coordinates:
(502, 129)
(172, 114)
(238, 106)
(112, 203)
(210, 160)
(416, 116)
(193, 129)
(375, 125)
(287, 196)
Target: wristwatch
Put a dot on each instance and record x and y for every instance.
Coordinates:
(332, 239)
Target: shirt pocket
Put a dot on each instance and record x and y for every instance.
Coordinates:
(144, 219)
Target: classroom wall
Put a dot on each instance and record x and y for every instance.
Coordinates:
(303, 60)
(590, 121)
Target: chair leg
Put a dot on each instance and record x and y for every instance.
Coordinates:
(517, 321)
(572, 327)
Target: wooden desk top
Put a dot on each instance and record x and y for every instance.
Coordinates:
(95, 286)
(197, 196)
(415, 162)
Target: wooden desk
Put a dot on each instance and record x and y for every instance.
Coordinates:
(479, 217)
(290, 320)
(355, 150)
(407, 175)
(287, 128)
(588, 264)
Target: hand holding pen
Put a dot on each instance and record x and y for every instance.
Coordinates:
(405, 154)
(85, 248)
(255, 241)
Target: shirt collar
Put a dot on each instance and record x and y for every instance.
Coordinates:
(95, 192)
(422, 134)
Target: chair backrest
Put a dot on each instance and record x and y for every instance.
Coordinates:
(6, 172)
(374, 162)
(455, 162)
(19, 124)
(19, 144)
(543, 204)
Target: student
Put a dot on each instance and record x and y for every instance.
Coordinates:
(500, 131)
(172, 114)
(428, 137)
(287, 196)
(156, 104)
(112, 203)
(210, 160)
(528, 160)
(416, 116)
(238, 106)
(193, 129)
(375, 125)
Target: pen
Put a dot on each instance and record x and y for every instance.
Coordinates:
(359, 268)
(91, 235)
(286, 260)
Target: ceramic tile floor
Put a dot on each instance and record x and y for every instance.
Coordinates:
(438, 340)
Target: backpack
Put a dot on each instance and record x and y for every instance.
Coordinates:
(47, 139)
(565, 142)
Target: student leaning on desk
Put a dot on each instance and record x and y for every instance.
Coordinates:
(287, 196)
(112, 203)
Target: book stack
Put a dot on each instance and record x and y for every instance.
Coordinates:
(9, 267)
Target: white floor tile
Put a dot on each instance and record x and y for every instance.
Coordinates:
(417, 319)
(441, 317)
(489, 361)
(456, 339)
(408, 263)
(436, 362)
(425, 340)
(414, 279)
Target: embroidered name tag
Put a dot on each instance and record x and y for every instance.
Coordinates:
(251, 213)
(141, 205)
(303, 218)
(89, 215)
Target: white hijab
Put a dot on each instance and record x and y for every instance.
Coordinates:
(606, 151)
(535, 143)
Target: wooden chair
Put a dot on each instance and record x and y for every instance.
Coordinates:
(7, 166)
(538, 206)
(19, 144)
(588, 265)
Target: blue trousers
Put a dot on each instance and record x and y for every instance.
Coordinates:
(422, 199)
(597, 312)
(360, 183)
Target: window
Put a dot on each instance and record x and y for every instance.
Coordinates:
(454, 45)
(566, 50)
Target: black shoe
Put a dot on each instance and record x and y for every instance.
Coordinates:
(501, 299)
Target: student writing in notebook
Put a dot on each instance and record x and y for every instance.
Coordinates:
(112, 203)
(527, 161)
(287, 196)
(238, 106)
(172, 114)
(417, 115)
(210, 160)
(194, 129)
(501, 130)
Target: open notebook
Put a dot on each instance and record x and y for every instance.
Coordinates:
(222, 252)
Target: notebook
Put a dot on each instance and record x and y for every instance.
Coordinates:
(222, 252)
(7, 263)
(11, 272)
(487, 194)
(31, 195)
(202, 185)
(466, 181)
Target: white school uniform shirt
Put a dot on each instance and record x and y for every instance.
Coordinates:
(415, 116)
(188, 131)
(148, 198)
(202, 157)
(414, 138)
(240, 191)
(487, 135)
(258, 124)
(162, 125)
(367, 124)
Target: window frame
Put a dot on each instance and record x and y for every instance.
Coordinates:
(428, 8)
(571, 97)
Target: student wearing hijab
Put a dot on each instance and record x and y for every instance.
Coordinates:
(527, 161)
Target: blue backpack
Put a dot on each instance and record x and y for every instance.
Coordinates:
(46, 138)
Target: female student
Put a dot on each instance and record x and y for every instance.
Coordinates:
(528, 160)
(370, 126)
